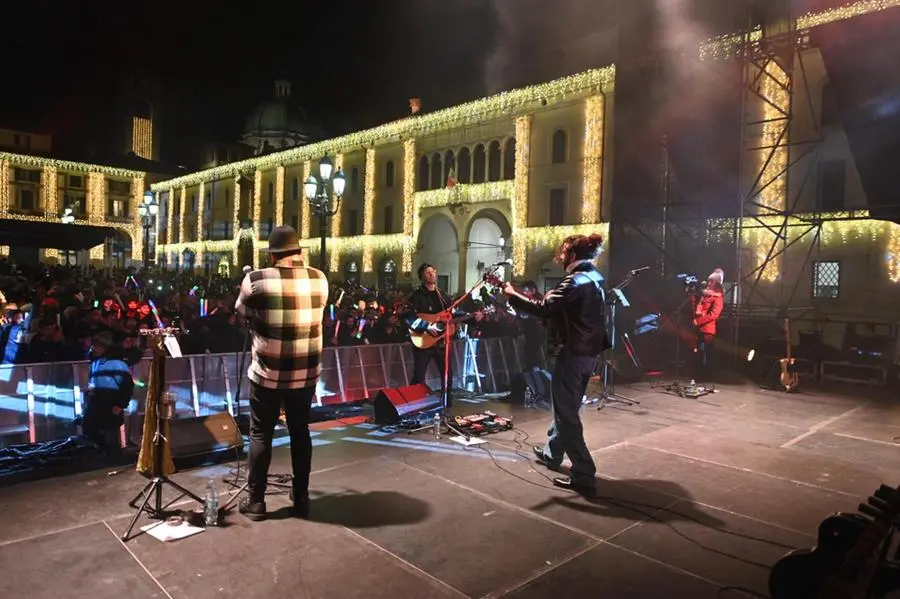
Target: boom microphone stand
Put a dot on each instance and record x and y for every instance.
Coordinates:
(609, 394)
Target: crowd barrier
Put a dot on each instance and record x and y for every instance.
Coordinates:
(41, 402)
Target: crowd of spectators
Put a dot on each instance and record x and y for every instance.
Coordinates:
(53, 313)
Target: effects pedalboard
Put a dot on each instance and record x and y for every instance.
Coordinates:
(484, 423)
(473, 425)
(690, 390)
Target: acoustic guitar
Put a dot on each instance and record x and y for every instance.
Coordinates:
(425, 340)
(789, 379)
(849, 559)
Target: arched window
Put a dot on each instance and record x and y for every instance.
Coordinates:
(559, 149)
(423, 174)
(464, 166)
(389, 174)
(450, 166)
(351, 272)
(387, 275)
(509, 159)
(437, 171)
(478, 166)
(494, 161)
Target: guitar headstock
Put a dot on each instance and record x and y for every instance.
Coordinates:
(491, 278)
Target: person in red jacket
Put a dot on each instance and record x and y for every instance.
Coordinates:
(707, 309)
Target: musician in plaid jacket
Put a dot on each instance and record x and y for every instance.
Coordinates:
(283, 306)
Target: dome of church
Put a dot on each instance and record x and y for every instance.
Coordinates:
(276, 123)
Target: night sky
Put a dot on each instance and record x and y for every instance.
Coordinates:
(353, 63)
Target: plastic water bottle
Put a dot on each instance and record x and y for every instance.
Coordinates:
(436, 424)
(211, 509)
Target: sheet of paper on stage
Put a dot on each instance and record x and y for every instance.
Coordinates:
(468, 442)
(168, 532)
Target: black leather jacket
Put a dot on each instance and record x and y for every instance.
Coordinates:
(575, 311)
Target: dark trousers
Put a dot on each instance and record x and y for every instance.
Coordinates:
(703, 357)
(566, 434)
(100, 425)
(265, 407)
(422, 358)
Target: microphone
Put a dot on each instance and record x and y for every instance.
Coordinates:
(506, 262)
(638, 271)
(247, 269)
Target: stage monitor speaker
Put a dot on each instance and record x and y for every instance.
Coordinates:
(393, 405)
(207, 434)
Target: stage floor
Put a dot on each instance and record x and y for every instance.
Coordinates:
(693, 495)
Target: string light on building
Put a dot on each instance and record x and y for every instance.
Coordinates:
(467, 193)
(305, 208)
(336, 220)
(4, 185)
(841, 13)
(236, 218)
(594, 108)
(728, 45)
(520, 195)
(257, 213)
(502, 105)
(96, 199)
(49, 190)
(369, 209)
(142, 137)
(201, 209)
(182, 213)
(279, 196)
(410, 222)
(773, 160)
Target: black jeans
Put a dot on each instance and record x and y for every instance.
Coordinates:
(422, 358)
(703, 358)
(265, 407)
(566, 435)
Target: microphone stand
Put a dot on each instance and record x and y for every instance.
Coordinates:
(609, 394)
(447, 334)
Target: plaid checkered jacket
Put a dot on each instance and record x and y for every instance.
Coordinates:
(284, 305)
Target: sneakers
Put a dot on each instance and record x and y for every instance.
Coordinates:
(541, 458)
(253, 510)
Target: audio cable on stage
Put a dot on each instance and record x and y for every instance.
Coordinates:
(521, 437)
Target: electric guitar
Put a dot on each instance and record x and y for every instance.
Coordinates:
(789, 379)
(425, 340)
(849, 557)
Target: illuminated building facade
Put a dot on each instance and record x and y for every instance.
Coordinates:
(510, 175)
(37, 189)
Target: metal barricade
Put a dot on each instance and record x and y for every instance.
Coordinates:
(41, 402)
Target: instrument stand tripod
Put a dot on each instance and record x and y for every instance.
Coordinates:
(609, 395)
(154, 489)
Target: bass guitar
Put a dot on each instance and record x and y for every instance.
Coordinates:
(426, 340)
(789, 379)
(848, 560)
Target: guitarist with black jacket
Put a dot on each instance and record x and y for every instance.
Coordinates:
(427, 299)
(575, 313)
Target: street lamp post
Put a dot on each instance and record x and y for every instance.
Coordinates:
(68, 218)
(316, 190)
(148, 210)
